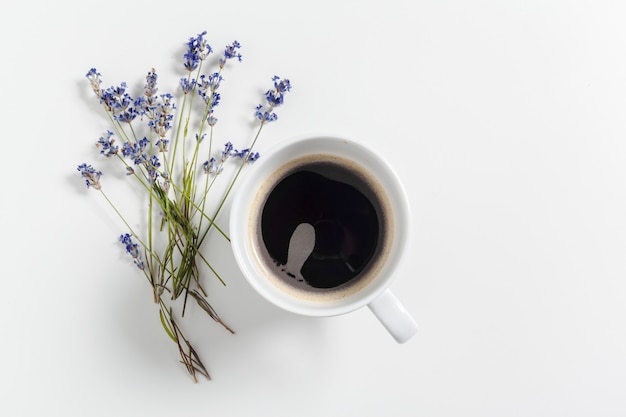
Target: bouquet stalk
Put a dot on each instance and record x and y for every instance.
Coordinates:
(167, 148)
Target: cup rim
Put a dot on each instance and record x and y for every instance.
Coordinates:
(269, 163)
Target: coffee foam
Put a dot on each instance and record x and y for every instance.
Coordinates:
(301, 290)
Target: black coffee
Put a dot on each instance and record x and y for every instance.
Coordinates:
(344, 212)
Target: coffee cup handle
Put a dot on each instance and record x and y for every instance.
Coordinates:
(393, 316)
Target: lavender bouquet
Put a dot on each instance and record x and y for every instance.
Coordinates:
(165, 144)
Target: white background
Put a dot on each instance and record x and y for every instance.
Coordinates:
(506, 120)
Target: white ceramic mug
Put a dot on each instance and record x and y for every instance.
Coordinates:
(262, 218)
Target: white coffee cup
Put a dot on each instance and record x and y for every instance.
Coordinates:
(262, 219)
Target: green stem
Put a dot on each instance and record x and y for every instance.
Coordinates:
(230, 187)
(153, 256)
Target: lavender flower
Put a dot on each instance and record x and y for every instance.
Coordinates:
(207, 89)
(208, 85)
(228, 151)
(213, 167)
(147, 103)
(106, 144)
(132, 249)
(152, 166)
(162, 145)
(162, 118)
(95, 80)
(209, 167)
(197, 50)
(265, 116)
(230, 52)
(127, 115)
(150, 88)
(91, 175)
(187, 84)
(275, 97)
(119, 103)
(136, 151)
(247, 156)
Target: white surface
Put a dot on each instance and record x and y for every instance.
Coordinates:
(505, 119)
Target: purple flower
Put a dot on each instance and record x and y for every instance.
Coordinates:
(197, 50)
(162, 144)
(127, 116)
(207, 89)
(152, 165)
(209, 166)
(187, 84)
(132, 249)
(121, 105)
(275, 97)
(230, 52)
(91, 175)
(228, 151)
(106, 144)
(136, 151)
(95, 80)
(115, 98)
(150, 88)
(147, 103)
(216, 167)
(247, 156)
(162, 117)
(265, 116)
